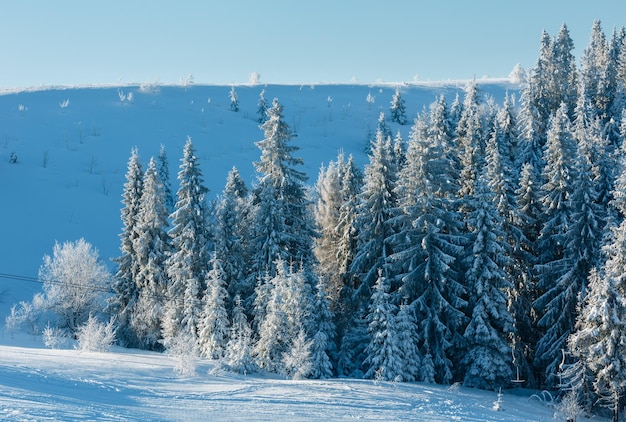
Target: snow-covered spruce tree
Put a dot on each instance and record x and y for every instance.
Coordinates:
(232, 226)
(327, 215)
(234, 100)
(411, 360)
(576, 377)
(283, 226)
(124, 286)
(398, 108)
(297, 363)
(426, 244)
(540, 79)
(470, 140)
(188, 262)
(383, 354)
(214, 324)
(275, 331)
(151, 246)
(75, 283)
(442, 131)
(346, 246)
(239, 348)
(523, 293)
(599, 340)
(383, 127)
(376, 202)
(261, 108)
(531, 130)
(612, 88)
(164, 177)
(487, 356)
(323, 339)
(593, 64)
(558, 296)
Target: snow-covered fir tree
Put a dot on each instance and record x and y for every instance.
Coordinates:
(261, 108)
(124, 286)
(408, 340)
(234, 99)
(214, 324)
(232, 228)
(376, 202)
(487, 355)
(275, 331)
(152, 246)
(398, 108)
(384, 358)
(558, 296)
(470, 140)
(239, 356)
(296, 362)
(426, 244)
(322, 346)
(163, 169)
(188, 262)
(283, 225)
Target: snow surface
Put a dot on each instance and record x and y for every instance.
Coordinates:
(128, 385)
(67, 184)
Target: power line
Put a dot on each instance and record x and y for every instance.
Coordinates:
(29, 279)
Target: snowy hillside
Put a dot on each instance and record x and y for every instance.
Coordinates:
(72, 147)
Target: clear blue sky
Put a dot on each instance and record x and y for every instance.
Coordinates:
(286, 41)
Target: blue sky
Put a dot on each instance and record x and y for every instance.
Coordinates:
(286, 41)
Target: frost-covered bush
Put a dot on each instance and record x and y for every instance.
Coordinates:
(25, 316)
(55, 338)
(95, 336)
(74, 283)
(184, 349)
(568, 408)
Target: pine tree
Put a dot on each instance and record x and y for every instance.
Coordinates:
(125, 287)
(383, 354)
(487, 359)
(188, 261)
(214, 326)
(152, 247)
(398, 109)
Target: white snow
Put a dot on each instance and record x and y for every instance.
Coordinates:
(67, 184)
